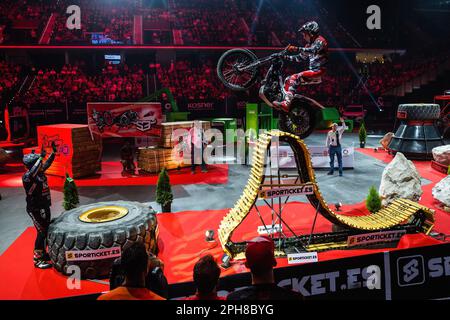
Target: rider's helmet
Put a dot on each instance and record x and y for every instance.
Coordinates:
(310, 27)
(30, 159)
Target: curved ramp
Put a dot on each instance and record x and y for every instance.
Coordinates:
(399, 212)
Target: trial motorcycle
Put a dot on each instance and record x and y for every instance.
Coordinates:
(238, 71)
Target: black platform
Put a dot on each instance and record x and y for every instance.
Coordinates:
(416, 141)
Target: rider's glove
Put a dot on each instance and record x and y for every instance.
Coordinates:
(290, 48)
(275, 55)
(43, 152)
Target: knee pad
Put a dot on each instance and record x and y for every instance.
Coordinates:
(289, 96)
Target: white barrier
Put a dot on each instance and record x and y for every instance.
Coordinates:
(319, 157)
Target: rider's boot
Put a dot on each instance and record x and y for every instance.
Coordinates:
(284, 105)
(46, 256)
(40, 260)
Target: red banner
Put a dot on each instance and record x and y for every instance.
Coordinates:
(125, 119)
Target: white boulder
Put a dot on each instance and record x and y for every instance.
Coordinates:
(442, 154)
(400, 179)
(441, 191)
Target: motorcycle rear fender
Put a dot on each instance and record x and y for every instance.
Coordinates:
(264, 98)
(308, 100)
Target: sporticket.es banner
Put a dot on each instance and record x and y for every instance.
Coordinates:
(99, 254)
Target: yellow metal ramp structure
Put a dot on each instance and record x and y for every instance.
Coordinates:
(398, 213)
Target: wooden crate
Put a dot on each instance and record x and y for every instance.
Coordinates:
(152, 159)
(169, 127)
(78, 152)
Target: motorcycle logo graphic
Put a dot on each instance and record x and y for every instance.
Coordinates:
(126, 119)
(410, 271)
(145, 125)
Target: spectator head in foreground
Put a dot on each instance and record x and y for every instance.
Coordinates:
(260, 259)
(206, 277)
(135, 264)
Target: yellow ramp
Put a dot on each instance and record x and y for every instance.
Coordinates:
(398, 212)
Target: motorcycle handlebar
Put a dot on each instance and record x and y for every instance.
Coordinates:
(263, 60)
(278, 54)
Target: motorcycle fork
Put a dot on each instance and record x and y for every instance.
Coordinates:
(282, 94)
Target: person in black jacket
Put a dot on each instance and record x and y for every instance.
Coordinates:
(39, 201)
(155, 280)
(127, 159)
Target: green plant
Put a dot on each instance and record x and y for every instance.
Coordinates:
(362, 133)
(71, 199)
(164, 194)
(448, 170)
(373, 201)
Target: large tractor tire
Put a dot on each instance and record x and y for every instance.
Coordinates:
(105, 225)
(420, 111)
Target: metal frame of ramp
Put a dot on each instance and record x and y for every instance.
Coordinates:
(402, 214)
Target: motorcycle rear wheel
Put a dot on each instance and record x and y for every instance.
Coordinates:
(300, 120)
(228, 73)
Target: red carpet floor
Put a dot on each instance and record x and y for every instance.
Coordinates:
(181, 243)
(22, 281)
(111, 176)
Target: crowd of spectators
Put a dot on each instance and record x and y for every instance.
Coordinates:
(113, 21)
(386, 76)
(32, 9)
(192, 79)
(199, 22)
(23, 21)
(347, 84)
(189, 81)
(9, 78)
(73, 84)
(206, 27)
(192, 82)
(208, 22)
(202, 22)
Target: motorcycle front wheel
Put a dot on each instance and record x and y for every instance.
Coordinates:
(300, 120)
(229, 69)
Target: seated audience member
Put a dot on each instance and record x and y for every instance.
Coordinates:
(156, 280)
(260, 259)
(135, 264)
(206, 276)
